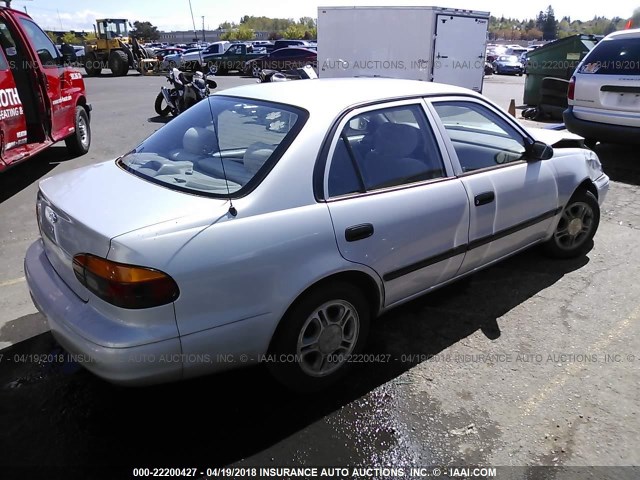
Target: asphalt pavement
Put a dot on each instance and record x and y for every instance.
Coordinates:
(530, 362)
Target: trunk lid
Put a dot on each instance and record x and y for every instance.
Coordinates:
(82, 210)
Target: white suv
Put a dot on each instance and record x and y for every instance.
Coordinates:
(604, 92)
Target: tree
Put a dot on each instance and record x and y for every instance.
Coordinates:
(307, 22)
(70, 38)
(294, 32)
(550, 26)
(145, 30)
(245, 33)
(533, 34)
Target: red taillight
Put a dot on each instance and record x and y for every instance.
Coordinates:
(126, 286)
(571, 91)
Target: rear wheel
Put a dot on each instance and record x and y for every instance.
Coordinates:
(80, 141)
(118, 63)
(161, 106)
(313, 343)
(255, 71)
(92, 65)
(576, 228)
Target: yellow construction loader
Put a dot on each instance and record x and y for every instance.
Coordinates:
(114, 48)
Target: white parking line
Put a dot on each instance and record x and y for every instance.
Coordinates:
(12, 282)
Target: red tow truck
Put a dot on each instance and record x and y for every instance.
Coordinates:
(42, 98)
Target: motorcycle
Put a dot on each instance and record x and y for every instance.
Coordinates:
(183, 93)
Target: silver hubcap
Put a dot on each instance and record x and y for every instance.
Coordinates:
(256, 71)
(574, 226)
(82, 131)
(327, 338)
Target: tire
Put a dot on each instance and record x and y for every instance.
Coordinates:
(118, 63)
(92, 65)
(79, 142)
(163, 112)
(309, 368)
(255, 71)
(576, 228)
(214, 69)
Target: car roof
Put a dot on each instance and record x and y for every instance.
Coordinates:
(632, 33)
(340, 93)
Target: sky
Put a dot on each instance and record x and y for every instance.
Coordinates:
(174, 14)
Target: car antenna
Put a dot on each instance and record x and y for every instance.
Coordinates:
(232, 209)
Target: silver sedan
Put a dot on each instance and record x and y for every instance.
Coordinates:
(272, 222)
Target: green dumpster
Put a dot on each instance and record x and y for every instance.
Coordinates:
(557, 59)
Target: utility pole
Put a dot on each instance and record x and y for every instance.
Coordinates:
(195, 32)
(203, 38)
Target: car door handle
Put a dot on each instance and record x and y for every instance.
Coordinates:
(484, 198)
(358, 232)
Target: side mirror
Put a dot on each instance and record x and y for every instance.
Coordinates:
(211, 84)
(539, 151)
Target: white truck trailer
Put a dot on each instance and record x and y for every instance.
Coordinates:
(433, 44)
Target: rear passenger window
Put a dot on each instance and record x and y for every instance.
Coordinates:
(479, 136)
(384, 148)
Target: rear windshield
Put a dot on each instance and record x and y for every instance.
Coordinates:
(508, 58)
(614, 57)
(220, 146)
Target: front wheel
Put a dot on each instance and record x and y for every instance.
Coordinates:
(92, 65)
(80, 141)
(576, 228)
(312, 346)
(161, 106)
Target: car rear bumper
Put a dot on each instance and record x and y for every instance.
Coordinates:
(600, 131)
(151, 363)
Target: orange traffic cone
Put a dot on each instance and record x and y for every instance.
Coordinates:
(512, 108)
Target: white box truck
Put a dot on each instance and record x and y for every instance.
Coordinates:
(422, 43)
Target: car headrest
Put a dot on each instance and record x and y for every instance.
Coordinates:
(396, 139)
(199, 141)
(255, 156)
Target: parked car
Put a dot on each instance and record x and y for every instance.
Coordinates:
(283, 59)
(160, 54)
(174, 60)
(488, 68)
(195, 59)
(42, 98)
(604, 92)
(508, 64)
(233, 58)
(272, 223)
(284, 43)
